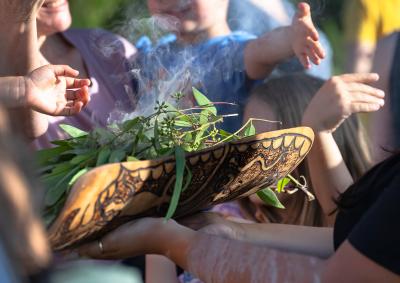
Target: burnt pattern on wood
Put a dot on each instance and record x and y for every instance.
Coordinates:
(219, 174)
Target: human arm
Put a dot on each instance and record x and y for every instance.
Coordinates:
(52, 90)
(301, 39)
(339, 98)
(19, 51)
(160, 269)
(215, 259)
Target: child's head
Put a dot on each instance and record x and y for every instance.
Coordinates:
(194, 16)
(285, 99)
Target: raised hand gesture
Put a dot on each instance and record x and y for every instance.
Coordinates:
(305, 41)
(55, 90)
(340, 97)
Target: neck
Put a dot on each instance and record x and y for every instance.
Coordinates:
(216, 31)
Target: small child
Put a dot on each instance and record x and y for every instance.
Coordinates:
(224, 65)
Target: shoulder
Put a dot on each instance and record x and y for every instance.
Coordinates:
(102, 41)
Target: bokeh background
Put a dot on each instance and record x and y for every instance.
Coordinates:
(111, 14)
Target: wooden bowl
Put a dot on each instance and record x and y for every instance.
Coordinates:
(113, 194)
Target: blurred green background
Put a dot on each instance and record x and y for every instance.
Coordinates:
(110, 14)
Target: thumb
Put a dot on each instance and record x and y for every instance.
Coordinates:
(303, 10)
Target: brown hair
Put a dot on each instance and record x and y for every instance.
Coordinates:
(289, 96)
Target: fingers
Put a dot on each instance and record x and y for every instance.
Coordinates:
(93, 250)
(304, 15)
(81, 95)
(64, 70)
(70, 75)
(303, 10)
(316, 47)
(364, 107)
(76, 83)
(366, 89)
(360, 78)
(305, 61)
(362, 97)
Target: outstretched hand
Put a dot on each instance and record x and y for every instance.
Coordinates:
(305, 39)
(55, 90)
(340, 97)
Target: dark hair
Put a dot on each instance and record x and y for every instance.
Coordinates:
(289, 96)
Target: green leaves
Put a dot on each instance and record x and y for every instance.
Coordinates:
(250, 130)
(180, 167)
(270, 198)
(72, 131)
(167, 131)
(202, 100)
(282, 183)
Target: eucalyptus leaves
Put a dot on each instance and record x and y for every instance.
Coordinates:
(168, 131)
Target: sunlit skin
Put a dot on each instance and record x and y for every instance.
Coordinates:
(53, 18)
(51, 89)
(197, 19)
(214, 259)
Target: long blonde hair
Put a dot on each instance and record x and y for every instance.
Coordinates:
(288, 96)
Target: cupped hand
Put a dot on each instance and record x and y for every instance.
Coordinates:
(305, 39)
(340, 97)
(143, 236)
(55, 90)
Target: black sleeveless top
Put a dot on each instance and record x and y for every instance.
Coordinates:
(369, 216)
(394, 89)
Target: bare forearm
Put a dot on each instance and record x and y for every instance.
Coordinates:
(263, 54)
(214, 259)
(12, 91)
(314, 241)
(329, 174)
(19, 49)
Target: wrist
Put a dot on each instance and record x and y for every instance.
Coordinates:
(176, 242)
(310, 121)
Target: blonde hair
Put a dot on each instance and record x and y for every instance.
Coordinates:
(288, 96)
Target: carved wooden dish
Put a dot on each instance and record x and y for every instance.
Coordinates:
(113, 194)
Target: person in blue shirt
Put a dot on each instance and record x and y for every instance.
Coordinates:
(204, 53)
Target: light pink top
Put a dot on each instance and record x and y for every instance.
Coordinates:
(106, 57)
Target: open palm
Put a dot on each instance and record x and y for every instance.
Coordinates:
(55, 90)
